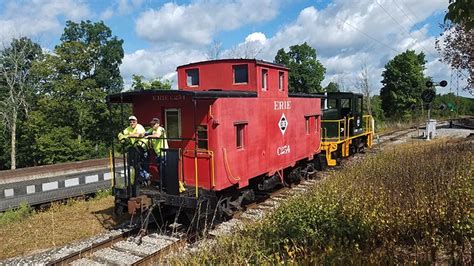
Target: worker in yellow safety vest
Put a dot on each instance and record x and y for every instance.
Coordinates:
(157, 135)
(158, 141)
(134, 132)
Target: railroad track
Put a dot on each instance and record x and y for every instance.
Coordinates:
(154, 247)
(122, 249)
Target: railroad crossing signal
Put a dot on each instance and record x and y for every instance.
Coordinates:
(430, 83)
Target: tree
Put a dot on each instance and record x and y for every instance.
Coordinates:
(247, 50)
(75, 80)
(403, 82)
(16, 83)
(363, 85)
(332, 87)
(461, 12)
(103, 53)
(156, 84)
(306, 72)
(214, 50)
(457, 41)
(137, 82)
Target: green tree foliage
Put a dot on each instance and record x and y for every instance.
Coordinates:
(403, 83)
(376, 108)
(16, 88)
(332, 87)
(450, 105)
(71, 118)
(456, 42)
(306, 72)
(461, 12)
(102, 56)
(138, 83)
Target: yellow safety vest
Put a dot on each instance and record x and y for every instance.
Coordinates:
(129, 130)
(161, 142)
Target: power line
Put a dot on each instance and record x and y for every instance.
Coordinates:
(407, 30)
(367, 35)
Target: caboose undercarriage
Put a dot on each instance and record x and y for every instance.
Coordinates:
(168, 204)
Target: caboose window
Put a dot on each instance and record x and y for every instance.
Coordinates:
(241, 74)
(317, 124)
(264, 79)
(307, 124)
(240, 134)
(173, 123)
(281, 76)
(192, 77)
(202, 136)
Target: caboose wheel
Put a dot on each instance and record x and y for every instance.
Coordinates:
(119, 209)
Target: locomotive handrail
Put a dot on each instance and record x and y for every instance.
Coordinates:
(368, 123)
(348, 125)
(338, 121)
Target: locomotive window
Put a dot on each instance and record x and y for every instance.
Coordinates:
(202, 136)
(192, 77)
(332, 103)
(264, 79)
(241, 74)
(281, 76)
(239, 135)
(359, 105)
(345, 103)
(173, 123)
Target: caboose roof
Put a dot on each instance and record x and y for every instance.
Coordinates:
(258, 62)
(127, 97)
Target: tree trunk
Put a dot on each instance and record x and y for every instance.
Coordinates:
(13, 143)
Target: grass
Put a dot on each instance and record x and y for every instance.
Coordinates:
(410, 204)
(16, 215)
(24, 231)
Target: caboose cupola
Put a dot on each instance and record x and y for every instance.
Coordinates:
(265, 78)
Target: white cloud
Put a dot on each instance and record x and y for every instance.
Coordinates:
(128, 6)
(348, 35)
(106, 14)
(256, 37)
(196, 23)
(37, 18)
(158, 63)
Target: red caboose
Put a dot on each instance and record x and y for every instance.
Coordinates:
(232, 128)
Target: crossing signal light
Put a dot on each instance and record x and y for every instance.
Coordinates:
(430, 83)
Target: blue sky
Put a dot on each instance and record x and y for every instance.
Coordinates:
(161, 35)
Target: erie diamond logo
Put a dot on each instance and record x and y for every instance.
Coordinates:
(283, 124)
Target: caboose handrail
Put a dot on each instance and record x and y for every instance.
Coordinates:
(211, 155)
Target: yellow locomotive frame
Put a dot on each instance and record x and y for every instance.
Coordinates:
(330, 144)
